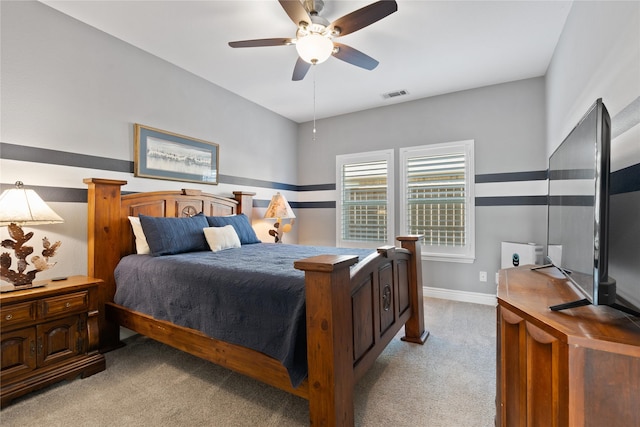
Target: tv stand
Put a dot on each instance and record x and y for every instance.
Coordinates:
(584, 301)
(578, 367)
(607, 294)
(568, 305)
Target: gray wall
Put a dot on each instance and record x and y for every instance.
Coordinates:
(76, 90)
(598, 56)
(506, 121)
(71, 88)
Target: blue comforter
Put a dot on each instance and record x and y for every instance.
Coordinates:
(250, 296)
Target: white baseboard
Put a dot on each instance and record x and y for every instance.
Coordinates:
(462, 296)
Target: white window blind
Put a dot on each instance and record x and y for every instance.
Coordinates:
(438, 199)
(363, 213)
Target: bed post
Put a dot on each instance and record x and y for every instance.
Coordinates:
(103, 247)
(414, 328)
(329, 346)
(245, 202)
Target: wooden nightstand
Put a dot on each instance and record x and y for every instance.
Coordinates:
(49, 334)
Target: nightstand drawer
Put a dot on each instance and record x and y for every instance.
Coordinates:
(17, 313)
(65, 304)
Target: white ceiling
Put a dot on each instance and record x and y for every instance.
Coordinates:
(426, 48)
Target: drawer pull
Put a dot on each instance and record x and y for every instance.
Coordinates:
(9, 316)
(67, 305)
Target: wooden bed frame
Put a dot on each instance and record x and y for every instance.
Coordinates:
(352, 313)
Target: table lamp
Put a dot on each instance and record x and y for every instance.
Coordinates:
(20, 206)
(279, 208)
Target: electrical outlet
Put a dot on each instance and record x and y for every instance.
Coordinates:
(483, 276)
(497, 278)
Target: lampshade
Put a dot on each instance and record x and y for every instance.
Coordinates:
(22, 206)
(279, 208)
(314, 48)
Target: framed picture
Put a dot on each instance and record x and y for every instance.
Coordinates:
(166, 155)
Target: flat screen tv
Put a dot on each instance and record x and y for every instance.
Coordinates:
(578, 209)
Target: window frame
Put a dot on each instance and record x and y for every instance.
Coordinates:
(463, 254)
(371, 156)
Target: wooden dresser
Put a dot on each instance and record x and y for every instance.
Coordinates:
(577, 367)
(49, 334)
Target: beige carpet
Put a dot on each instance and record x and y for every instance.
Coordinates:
(448, 382)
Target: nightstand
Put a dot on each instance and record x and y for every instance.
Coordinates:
(49, 334)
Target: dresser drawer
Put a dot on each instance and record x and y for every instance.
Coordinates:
(64, 304)
(15, 314)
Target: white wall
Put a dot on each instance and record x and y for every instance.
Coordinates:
(598, 56)
(69, 87)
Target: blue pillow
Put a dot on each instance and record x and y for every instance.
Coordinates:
(168, 236)
(242, 225)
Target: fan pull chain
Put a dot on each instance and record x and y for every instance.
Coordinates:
(314, 103)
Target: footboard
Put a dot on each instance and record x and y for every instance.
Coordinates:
(352, 314)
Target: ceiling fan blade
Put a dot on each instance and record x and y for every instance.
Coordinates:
(300, 70)
(261, 42)
(360, 18)
(296, 11)
(355, 57)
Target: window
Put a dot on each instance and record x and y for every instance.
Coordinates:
(437, 199)
(364, 211)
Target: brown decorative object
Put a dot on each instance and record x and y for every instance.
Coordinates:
(577, 367)
(346, 326)
(20, 277)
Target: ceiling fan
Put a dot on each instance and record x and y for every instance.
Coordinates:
(315, 34)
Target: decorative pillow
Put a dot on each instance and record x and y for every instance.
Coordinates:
(168, 236)
(220, 238)
(142, 247)
(241, 224)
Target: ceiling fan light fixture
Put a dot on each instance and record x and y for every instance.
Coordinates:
(314, 48)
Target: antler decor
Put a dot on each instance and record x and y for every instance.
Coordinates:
(20, 277)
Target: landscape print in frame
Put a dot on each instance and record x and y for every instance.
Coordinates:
(167, 155)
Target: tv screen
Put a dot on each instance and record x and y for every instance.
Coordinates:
(577, 240)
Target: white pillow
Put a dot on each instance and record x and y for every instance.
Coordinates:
(142, 247)
(220, 238)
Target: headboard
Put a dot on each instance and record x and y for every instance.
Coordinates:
(109, 234)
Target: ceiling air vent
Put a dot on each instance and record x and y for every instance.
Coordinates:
(395, 94)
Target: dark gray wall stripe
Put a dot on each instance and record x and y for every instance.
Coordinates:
(512, 201)
(625, 180)
(330, 204)
(571, 200)
(316, 187)
(55, 157)
(511, 176)
(622, 181)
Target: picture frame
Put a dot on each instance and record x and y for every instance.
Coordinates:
(166, 155)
